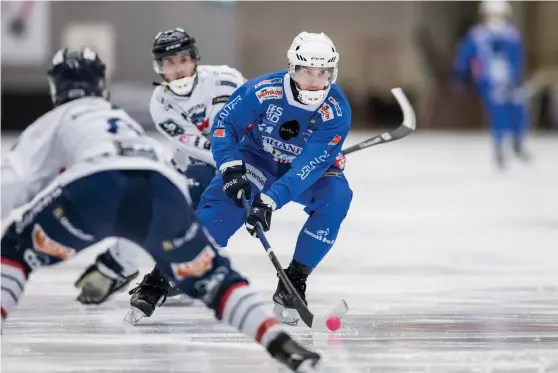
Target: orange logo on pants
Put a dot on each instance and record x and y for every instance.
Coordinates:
(44, 244)
(197, 267)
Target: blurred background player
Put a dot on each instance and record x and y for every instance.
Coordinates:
(118, 183)
(492, 54)
(182, 108)
(278, 140)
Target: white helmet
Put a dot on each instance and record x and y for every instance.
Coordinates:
(495, 7)
(313, 51)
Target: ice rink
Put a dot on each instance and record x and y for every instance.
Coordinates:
(447, 265)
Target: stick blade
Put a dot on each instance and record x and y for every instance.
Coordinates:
(340, 310)
(409, 118)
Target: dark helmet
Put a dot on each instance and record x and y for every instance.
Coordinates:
(76, 73)
(170, 43)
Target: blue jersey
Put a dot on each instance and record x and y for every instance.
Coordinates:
(491, 57)
(263, 118)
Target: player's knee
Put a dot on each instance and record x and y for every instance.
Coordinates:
(339, 200)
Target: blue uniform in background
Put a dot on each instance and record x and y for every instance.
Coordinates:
(494, 59)
(292, 152)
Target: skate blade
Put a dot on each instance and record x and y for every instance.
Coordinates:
(308, 366)
(285, 315)
(181, 300)
(134, 315)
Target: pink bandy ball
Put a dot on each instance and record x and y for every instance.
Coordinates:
(333, 323)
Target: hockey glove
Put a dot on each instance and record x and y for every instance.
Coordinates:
(260, 213)
(235, 182)
(101, 280)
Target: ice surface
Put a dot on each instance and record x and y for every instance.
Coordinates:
(448, 267)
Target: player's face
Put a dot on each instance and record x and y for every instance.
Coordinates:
(179, 66)
(313, 78)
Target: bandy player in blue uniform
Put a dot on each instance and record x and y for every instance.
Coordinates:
(278, 139)
(492, 55)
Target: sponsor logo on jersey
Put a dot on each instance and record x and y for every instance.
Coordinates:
(289, 130)
(39, 206)
(335, 105)
(269, 93)
(59, 214)
(278, 148)
(340, 161)
(281, 145)
(188, 236)
(196, 267)
(326, 112)
(269, 81)
(336, 140)
(307, 134)
(220, 99)
(273, 113)
(311, 165)
(171, 128)
(46, 245)
(255, 176)
(228, 83)
(228, 107)
(219, 132)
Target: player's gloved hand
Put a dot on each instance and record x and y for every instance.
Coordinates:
(260, 213)
(101, 280)
(235, 182)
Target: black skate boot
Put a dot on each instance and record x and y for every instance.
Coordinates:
(284, 307)
(285, 350)
(152, 291)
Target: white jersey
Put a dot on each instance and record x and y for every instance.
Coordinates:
(184, 119)
(83, 136)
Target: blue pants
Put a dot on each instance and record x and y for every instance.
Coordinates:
(142, 206)
(199, 176)
(326, 202)
(507, 114)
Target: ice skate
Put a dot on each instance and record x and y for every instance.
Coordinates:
(285, 350)
(150, 293)
(521, 153)
(500, 160)
(284, 307)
